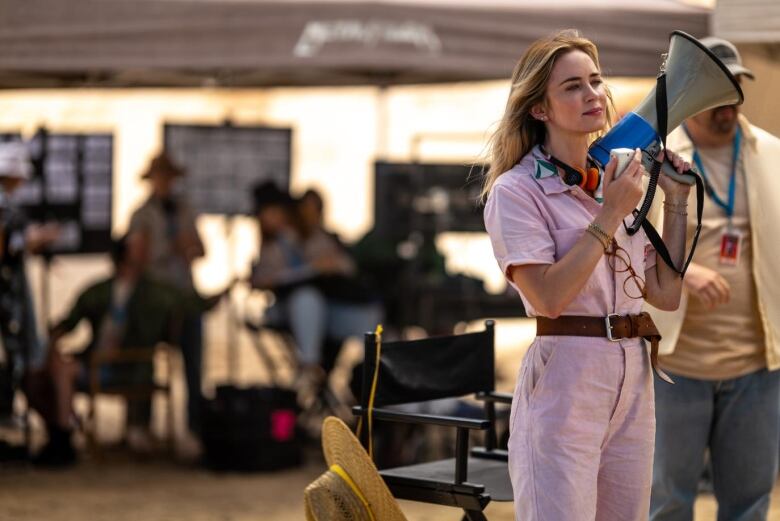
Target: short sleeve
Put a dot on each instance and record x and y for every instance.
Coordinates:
(518, 231)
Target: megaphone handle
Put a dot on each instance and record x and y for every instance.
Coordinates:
(641, 214)
(667, 168)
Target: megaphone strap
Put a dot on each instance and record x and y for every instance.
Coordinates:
(658, 243)
(662, 112)
(640, 216)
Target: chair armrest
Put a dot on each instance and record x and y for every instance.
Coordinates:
(493, 454)
(424, 419)
(494, 396)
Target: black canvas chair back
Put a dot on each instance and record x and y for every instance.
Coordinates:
(431, 369)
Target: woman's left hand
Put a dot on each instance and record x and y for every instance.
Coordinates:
(673, 189)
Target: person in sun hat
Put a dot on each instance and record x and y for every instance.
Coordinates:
(166, 222)
(351, 489)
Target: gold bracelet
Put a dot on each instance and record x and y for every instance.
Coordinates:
(598, 238)
(676, 205)
(598, 232)
(676, 209)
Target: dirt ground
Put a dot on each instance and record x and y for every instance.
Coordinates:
(120, 489)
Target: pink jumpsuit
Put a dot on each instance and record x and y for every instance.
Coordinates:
(582, 424)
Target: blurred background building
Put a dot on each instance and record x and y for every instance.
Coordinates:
(354, 82)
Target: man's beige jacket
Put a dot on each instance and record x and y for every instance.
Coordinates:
(761, 166)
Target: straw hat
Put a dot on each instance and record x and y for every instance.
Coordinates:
(162, 164)
(352, 489)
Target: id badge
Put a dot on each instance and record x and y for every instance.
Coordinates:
(730, 247)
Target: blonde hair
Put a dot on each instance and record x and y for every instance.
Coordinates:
(518, 132)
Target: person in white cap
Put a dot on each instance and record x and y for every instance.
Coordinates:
(722, 346)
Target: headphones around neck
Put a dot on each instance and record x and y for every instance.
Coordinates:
(587, 179)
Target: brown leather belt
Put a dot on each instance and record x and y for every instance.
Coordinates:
(611, 327)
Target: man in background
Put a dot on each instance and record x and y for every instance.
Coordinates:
(722, 347)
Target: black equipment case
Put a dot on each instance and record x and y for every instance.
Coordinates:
(251, 429)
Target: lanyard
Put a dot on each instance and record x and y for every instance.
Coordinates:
(727, 207)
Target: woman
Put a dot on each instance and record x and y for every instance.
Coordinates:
(582, 423)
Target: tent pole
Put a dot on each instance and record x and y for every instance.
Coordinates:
(381, 122)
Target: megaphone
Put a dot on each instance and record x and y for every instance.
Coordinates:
(696, 80)
(692, 80)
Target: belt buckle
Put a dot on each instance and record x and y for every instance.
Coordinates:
(608, 323)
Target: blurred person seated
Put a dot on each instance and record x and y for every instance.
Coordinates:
(313, 280)
(310, 216)
(347, 284)
(128, 310)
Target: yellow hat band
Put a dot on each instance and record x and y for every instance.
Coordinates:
(343, 475)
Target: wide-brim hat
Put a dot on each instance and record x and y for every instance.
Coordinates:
(162, 164)
(351, 489)
(15, 161)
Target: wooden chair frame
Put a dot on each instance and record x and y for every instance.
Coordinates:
(100, 359)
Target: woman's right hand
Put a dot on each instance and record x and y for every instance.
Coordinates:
(622, 195)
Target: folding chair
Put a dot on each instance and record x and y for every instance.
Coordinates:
(130, 392)
(327, 400)
(431, 369)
